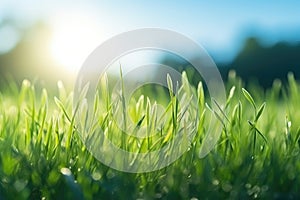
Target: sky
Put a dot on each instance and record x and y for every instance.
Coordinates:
(219, 26)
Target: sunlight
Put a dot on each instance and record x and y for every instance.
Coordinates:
(74, 37)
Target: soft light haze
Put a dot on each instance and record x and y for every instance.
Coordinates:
(220, 26)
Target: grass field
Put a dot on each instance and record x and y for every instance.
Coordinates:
(257, 155)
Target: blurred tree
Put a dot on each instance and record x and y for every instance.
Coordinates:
(32, 58)
(253, 62)
(267, 63)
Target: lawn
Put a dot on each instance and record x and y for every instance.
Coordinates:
(43, 156)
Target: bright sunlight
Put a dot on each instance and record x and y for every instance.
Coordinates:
(74, 37)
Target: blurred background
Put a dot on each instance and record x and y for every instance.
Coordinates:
(49, 41)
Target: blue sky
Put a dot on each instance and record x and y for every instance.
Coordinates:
(219, 26)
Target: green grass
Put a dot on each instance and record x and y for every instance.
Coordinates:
(257, 155)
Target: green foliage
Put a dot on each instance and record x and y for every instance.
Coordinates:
(257, 156)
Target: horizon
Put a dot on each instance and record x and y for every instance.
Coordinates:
(74, 30)
(201, 21)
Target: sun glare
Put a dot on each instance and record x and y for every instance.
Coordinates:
(74, 37)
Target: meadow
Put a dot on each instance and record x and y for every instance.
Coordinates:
(42, 155)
